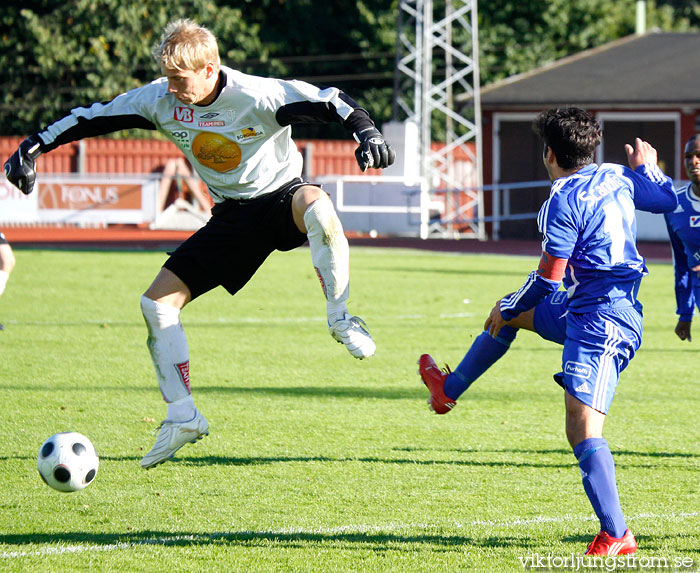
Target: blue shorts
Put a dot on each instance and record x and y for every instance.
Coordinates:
(599, 345)
(549, 318)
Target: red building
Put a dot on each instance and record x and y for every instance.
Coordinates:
(639, 86)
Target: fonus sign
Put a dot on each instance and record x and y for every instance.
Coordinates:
(97, 199)
(89, 195)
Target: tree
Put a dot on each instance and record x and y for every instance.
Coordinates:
(60, 55)
(518, 36)
(349, 45)
(56, 55)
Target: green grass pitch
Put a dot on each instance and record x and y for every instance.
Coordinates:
(317, 461)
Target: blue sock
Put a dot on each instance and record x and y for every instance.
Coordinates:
(482, 354)
(598, 472)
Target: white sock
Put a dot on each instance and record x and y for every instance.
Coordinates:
(330, 255)
(181, 410)
(167, 344)
(4, 275)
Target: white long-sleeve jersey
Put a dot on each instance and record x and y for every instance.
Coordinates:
(240, 144)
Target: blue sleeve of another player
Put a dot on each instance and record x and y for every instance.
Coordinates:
(653, 190)
(535, 289)
(685, 301)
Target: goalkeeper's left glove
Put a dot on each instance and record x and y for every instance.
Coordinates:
(19, 169)
(373, 150)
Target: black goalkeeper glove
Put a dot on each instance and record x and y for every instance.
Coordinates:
(19, 169)
(373, 151)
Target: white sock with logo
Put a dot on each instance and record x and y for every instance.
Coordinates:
(330, 255)
(167, 344)
(4, 276)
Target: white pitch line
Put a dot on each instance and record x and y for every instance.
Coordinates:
(388, 528)
(234, 321)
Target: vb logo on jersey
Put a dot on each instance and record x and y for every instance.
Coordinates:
(183, 114)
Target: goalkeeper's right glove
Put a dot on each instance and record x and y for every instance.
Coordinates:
(19, 169)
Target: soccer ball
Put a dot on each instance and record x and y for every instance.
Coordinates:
(67, 461)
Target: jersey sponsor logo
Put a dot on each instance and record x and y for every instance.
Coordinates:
(603, 189)
(181, 138)
(695, 220)
(210, 115)
(248, 134)
(184, 370)
(217, 152)
(211, 123)
(183, 114)
(577, 369)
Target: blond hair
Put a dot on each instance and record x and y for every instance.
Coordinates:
(185, 45)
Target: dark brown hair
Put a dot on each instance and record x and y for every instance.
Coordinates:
(572, 134)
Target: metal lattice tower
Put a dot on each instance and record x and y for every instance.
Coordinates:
(437, 60)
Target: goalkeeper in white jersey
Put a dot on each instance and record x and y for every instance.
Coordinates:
(235, 129)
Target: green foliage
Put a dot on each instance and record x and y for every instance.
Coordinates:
(316, 461)
(519, 36)
(57, 55)
(71, 54)
(347, 45)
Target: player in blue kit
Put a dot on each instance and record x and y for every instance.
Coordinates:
(684, 231)
(589, 228)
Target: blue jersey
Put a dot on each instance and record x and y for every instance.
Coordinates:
(589, 219)
(684, 231)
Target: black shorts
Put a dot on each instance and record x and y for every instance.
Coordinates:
(236, 240)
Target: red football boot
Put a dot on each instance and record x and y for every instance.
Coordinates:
(434, 379)
(604, 544)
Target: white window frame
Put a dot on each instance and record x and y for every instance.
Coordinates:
(648, 116)
(498, 119)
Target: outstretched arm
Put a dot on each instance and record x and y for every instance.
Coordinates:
(653, 190)
(123, 112)
(331, 105)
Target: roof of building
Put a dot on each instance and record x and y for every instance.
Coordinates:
(653, 70)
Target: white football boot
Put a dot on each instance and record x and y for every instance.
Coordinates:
(352, 332)
(172, 436)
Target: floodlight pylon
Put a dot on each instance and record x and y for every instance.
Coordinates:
(437, 63)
